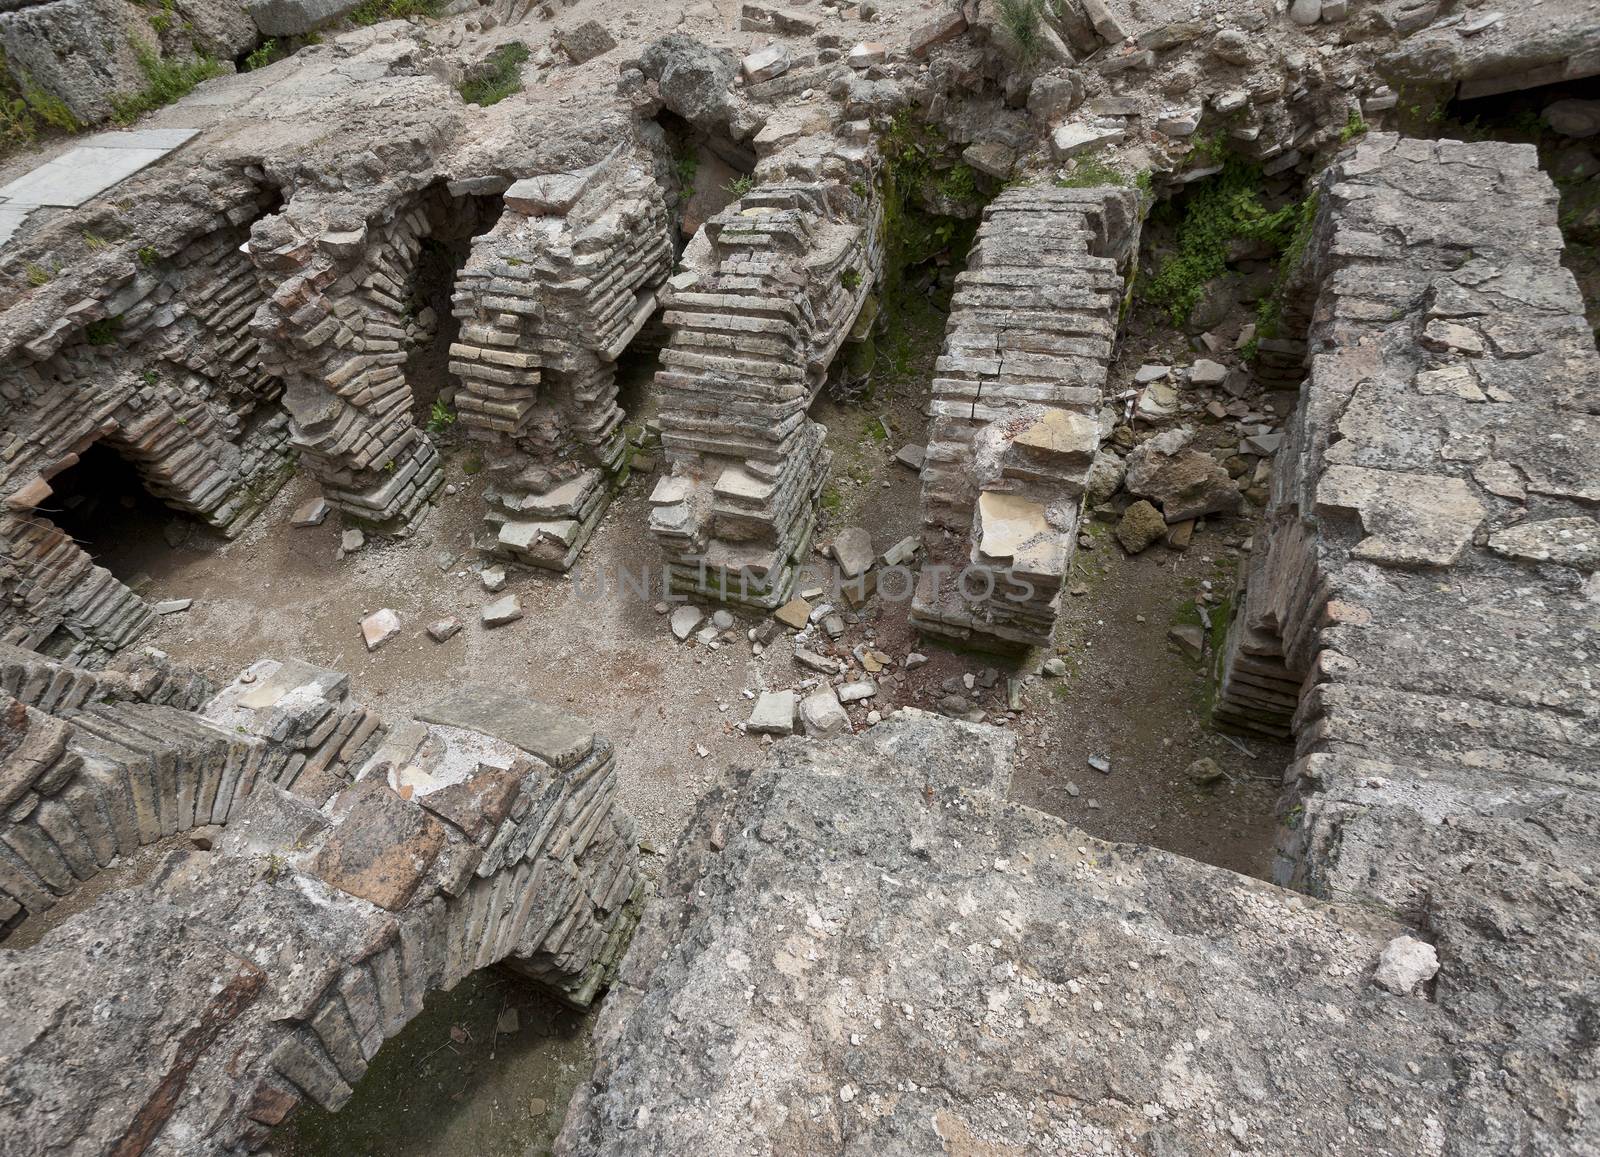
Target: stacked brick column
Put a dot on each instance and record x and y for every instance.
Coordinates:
(548, 300)
(1015, 406)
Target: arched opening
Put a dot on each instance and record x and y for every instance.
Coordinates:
(102, 503)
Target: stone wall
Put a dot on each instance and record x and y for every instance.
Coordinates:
(864, 949)
(1420, 611)
(146, 352)
(769, 291)
(363, 865)
(548, 300)
(1016, 410)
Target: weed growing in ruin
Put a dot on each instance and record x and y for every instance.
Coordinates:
(26, 110)
(265, 54)
(37, 275)
(685, 164)
(377, 11)
(1227, 208)
(850, 279)
(1020, 19)
(1091, 173)
(739, 186)
(440, 417)
(960, 183)
(1354, 127)
(93, 241)
(496, 77)
(148, 256)
(165, 81)
(102, 332)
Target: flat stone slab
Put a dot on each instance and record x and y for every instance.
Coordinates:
(11, 219)
(773, 714)
(554, 735)
(93, 167)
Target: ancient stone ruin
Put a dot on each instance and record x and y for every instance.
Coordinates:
(808, 576)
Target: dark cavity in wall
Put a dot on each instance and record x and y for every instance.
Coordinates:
(453, 223)
(102, 503)
(1562, 121)
(702, 173)
(486, 1070)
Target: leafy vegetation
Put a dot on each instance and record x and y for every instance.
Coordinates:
(1224, 209)
(26, 110)
(102, 332)
(1269, 311)
(1354, 127)
(685, 164)
(1020, 19)
(148, 255)
(377, 11)
(741, 185)
(166, 79)
(440, 417)
(850, 279)
(37, 275)
(1091, 173)
(266, 53)
(497, 76)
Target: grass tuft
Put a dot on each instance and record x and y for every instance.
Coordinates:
(496, 77)
(166, 80)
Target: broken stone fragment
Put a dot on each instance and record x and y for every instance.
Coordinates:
(1573, 542)
(857, 691)
(815, 661)
(822, 714)
(1140, 526)
(382, 849)
(1404, 964)
(1076, 137)
(441, 629)
(1054, 667)
(1190, 638)
(172, 606)
(1206, 372)
(1186, 483)
(773, 714)
(794, 613)
(379, 627)
(493, 578)
(352, 540)
(502, 611)
(867, 54)
(912, 456)
(767, 64)
(1204, 772)
(684, 621)
(311, 512)
(585, 41)
(852, 550)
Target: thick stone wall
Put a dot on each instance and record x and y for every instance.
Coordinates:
(865, 949)
(1420, 611)
(769, 291)
(149, 355)
(1016, 410)
(548, 300)
(362, 866)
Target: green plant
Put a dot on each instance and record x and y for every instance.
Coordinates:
(850, 279)
(102, 332)
(37, 274)
(1020, 19)
(1225, 208)
(376, 11)
(1353, 128)
(267, 52)
(440, 417)
(960, 183)
(740, 185)
(1091, 173)
(165, 81)
(497, 76)
(685, 164)
(148, 255)
(93, 241)
(150, 377)
(52, 110)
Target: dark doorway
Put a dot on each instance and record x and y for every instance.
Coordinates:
(102, 503)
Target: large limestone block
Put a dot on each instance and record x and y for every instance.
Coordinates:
(1409, 519)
